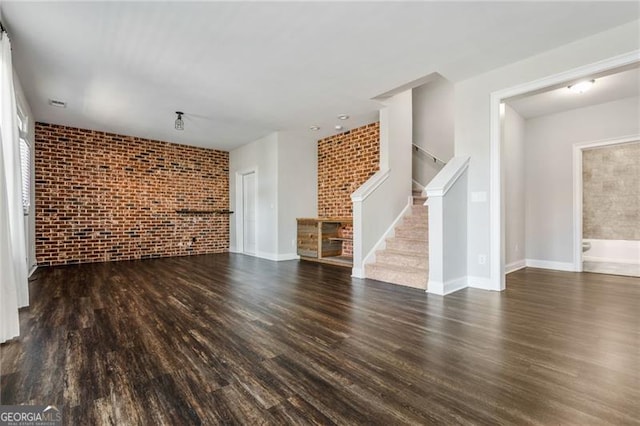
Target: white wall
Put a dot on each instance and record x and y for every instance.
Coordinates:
(379, 209)
(473, 124)
(262, 157)
(549, 173)
(455, 232)
(297, 186)
(286, 186)
(433, 126)
(513, 154)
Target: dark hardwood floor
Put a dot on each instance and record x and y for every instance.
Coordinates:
(233, 339)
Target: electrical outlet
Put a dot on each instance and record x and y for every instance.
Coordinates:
(482, 259)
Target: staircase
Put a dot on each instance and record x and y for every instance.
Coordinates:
(405, 260)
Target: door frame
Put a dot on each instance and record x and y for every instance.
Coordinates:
(578, 149)
(497, 212)
(239, 208)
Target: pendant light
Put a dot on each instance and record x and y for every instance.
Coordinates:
(179, 122)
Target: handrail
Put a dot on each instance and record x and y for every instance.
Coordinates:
(435, 159)
(370, 185)
(445, 179)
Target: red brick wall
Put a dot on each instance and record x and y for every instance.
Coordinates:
(345, 162)
(105, 197)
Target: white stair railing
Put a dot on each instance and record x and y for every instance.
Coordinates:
(447, 198)
(423, 151)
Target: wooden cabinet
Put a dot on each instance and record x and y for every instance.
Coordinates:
(308, 237)
(319, 240)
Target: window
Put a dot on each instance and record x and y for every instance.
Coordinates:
(25, 162)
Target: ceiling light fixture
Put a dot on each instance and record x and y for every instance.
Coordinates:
(343, 117)
(314, 128)
(581, 86)
(58, 104)
(179, 122)
(338, 127)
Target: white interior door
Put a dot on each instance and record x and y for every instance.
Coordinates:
(249, 213)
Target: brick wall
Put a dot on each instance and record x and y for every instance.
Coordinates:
(345, 162)
(105, 197)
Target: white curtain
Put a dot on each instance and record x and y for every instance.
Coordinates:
(14, 290)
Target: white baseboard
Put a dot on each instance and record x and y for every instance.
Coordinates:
(357, 272)
(482, 283)
(515, 266)
(32, 270)
(548, 264)
(451, 286)
(287, 256)
(609, 260)
(435, 287)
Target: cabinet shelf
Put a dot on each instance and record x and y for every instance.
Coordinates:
(319, 240)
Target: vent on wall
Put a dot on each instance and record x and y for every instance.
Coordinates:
(58, 104)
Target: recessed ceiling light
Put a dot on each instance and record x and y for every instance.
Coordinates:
(57, 104)
(581, 86)
(343, 117)
(314, 128)
(338, 127)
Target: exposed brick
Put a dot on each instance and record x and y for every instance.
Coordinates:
(105, 197)
(345, 162)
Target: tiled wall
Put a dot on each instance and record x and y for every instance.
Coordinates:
(345, 162)
(105, 197)
(611, 192)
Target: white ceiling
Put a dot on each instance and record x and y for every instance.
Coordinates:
(242, 70)
(609, 88)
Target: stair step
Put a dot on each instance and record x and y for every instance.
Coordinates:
(419, 200)
(401, 275)
(402, 258)
(419, 209)
(415, 232)
(415, 220)
(413, 245)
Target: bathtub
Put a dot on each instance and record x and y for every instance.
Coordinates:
(615, 251)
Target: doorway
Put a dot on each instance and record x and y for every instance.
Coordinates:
(497, 208)
(249, 213)
(606, 204)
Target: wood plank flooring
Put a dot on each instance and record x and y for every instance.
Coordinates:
(230, 339)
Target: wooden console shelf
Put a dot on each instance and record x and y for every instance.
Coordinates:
(319, 240)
